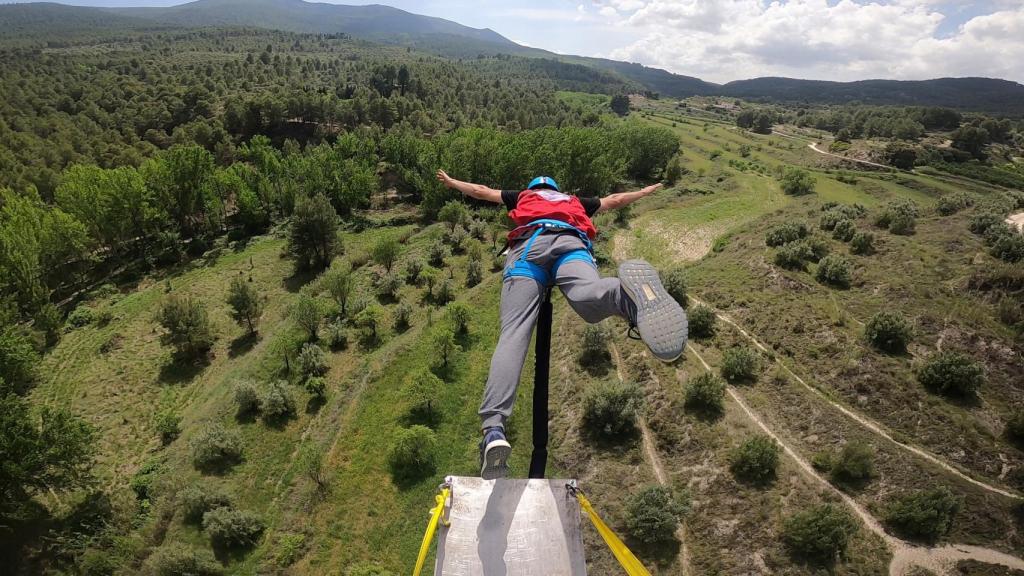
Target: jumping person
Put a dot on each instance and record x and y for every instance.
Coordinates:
(551, 246)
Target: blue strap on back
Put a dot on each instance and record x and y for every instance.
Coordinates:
(522, 267)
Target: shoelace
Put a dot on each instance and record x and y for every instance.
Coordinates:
(633, 333)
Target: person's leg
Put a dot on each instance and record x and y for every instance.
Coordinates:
(592, 297)
(520, 304)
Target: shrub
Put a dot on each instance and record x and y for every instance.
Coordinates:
(755, 460)
(1015, 428)
(308, 314)
(168, 426)
(474, 273)
(862, 243)
(339, 283)
(740, 363)
(903, 224)
(457, 239)
(437, 254)
(785, 234)
(855, 463)
(985, 218)
(198, 500)
(312, 361)
(81, 316)
(888, 331)
(611, 409)
(403, 314)
(702, 321)
(453, 213)
(313, 235)
(796, 182)
(675, 283)
(706, 393)
(834, 270)
(180, 560)
(316, 386)
(337, 335)
(652, 515)
(831, 218)
(143, 479)
(232, 528)
(795, 255)
(277, 402)
(926, 514)
(369, 569)
(952, 374)
(98, 562)
(444, 345)
(594, 349)
(187, 326)
(421, 394)
(458, 315)
(953, 203)
(844, 231)
(215, 447)
(388, 285)
(385, 252)
(819, 533)
(413, 269)
(413, 453)
(445, 292)
(369, 321)
(246, 398)
(1008, 247)
(899, 217)
(290, 548)
(245, 303)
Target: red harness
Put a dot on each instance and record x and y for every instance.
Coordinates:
(548, 204)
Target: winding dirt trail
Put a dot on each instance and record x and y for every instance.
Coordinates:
(864, 421)
(905, 556)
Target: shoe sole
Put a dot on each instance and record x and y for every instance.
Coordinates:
(659, 318)
(495, 463)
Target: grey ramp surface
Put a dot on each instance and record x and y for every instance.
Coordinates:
(511, 527)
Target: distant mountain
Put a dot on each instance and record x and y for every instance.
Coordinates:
(986, 94)
(373, 22)
(26, 20)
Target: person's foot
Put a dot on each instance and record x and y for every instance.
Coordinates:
(494, 453)
(659, 319)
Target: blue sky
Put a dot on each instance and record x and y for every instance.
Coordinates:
(722, 40)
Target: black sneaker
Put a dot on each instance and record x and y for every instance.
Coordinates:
(494, 453)
(660, 321)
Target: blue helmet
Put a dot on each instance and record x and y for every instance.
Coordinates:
(543, 182)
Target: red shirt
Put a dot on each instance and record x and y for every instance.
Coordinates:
(529, 205)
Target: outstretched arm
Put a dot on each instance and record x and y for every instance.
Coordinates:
(478, 191)
(614, 201)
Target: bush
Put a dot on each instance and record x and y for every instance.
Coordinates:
(245, 303)
(862, 243)
(611, 409)
(984, 218)
(403, 314)
(289, 549)
(437, 254)
(888, 331)
(458, 315)
(444, 345)
(339, 283)
(952, 374)
(180, 560)
(706, 393)
(834, 270)
(317, 387)
(81, 316)
(594, 349)
(369, 569)
(844, 231)
(198, 500)
(652, 515)
(413, 453)
(445, 292)
(313, 234)
(421, 393)
(143, 479)
(388, 285)
(702, 321)
(277, 402)
(246, 398)
(215, 447)
(953, 203)
(369, 321)
(312, 361)
(187, 326)
(927, 514)
(337, 335)
(795, 255)
(819, 533)
(674, 280)
(755, 460)
(899, 217)
(385, 252)
(474, 273)
(855, 463)
(98, 562)
(1015, 428)
(168, 426)
(232, 528)
(740, 363)
(308, 314)
(1008, 247)
(785, 234)
(796, 182)
(413, 269)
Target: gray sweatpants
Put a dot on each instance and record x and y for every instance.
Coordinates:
(592, 297)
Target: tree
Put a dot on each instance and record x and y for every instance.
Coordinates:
(312, 361)
(215, 447)
(180, 179)
(444, 345)
(187, 326)
(458, 315)
(313, 235)
(796, 182)
(705, 393)
(385, 252)
(340, 284)
(819, 533)
(247, 398)
(888, 331)
(611, 409)
(413, 453)
(652, 515)
(952, 373)
(971, 139)
(900, 156)
(197, 500)
(18, 361)
(755, 460)
(245, 303)
(420, 393)
(44, 449)
(925, 514)
(311, 463)
(453, 213)
(308, 314)
(620, 104)
(370, 320)
(474, 273)
(232, 528)
(277, 403)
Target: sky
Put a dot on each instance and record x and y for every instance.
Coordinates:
(723, 40)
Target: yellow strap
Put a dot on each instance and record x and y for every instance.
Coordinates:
(435, 517)
(629, 563)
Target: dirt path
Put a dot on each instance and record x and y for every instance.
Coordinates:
(860, 419)
(941, 560)
(814, 146)
(1016, 221)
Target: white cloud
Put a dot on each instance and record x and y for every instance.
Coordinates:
(608, 11)
(723, 40)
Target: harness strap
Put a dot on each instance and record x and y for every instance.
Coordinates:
(522, 267)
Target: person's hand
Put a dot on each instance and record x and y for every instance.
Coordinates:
(444, 178)
(651, 189)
